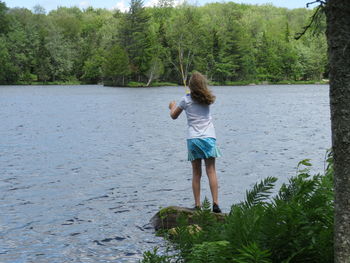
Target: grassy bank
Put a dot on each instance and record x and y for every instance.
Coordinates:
(284, 82)
(227, 83)
(295, 225)
(167, 84)
(36, 83)
(154, 84)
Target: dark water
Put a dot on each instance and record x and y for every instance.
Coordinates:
(84, 168)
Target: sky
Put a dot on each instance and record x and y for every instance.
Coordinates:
(123, 4)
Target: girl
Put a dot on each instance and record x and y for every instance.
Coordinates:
(201, 140)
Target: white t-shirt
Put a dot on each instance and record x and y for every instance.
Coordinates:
(199, 123)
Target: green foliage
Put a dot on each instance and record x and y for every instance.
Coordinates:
(7, 68)
(134, 38)
(231, 43)
(116, 65)
(294, 225)
(93, 68)
(206, 220)
(252, 254)
(60, 56)
(210, 252)
(184, 34)
(162, 84)
(4, 19)
(153, 257)
(135, 84)
(260, 192)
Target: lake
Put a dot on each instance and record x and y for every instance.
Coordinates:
(84, 168)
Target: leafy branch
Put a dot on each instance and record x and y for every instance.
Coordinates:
(315, 18)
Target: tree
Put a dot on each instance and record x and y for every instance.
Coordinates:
(8, 71)
(228, 61)
(116, 66)
(159, 42)
(39, 10)
(269, 63)
(226, 41)
(4, 21)
(134, 38)
(184, 33)
(40, 27)
(42, 63)
(60, 56)
(156, 52)
(93, 68)
(18, 47)
(338, 35)
(312, 56)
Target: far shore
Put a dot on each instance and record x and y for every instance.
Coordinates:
(168, 84)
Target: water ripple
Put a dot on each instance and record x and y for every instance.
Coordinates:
(84, 168)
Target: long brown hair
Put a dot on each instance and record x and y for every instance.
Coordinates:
(199, 89)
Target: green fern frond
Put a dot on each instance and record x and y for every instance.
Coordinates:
(260, 192)
(204, 217)
(329, 161)
(303, 167)
(252, 254)
(154, 257)
(210, 252)
(206, 204)
(305, 162)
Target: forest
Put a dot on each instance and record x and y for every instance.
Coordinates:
(228, 42)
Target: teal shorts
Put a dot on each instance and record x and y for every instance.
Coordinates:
(202, 148)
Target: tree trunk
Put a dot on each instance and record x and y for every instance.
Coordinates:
(180, 52)
(338, 35)
(150, 77)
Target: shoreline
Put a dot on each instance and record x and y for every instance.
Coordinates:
(170, 84)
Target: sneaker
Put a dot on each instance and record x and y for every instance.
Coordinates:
(216, 208)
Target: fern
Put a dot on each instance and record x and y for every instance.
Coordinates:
(206, 205)
(204, 217)
(210, 252)
(259, 193)
(153, 257)
(252, 254)
(294, 226)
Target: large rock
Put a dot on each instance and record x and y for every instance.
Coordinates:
(167, 218)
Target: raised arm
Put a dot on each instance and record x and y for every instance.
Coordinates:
(174, 110)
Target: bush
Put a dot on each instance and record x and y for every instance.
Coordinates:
(295, 225)
(164, 84)
(135, 84)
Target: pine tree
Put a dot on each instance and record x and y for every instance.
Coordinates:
(116, 66)
(134, 38)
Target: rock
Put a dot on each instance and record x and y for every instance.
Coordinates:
(167, 218)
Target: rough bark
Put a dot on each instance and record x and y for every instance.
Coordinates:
(338, 35)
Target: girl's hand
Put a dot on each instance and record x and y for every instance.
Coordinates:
(172, 104)
(174, 111)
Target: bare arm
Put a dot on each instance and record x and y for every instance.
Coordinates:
(174, 110)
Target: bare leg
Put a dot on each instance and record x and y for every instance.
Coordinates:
(213, 182)
(196, 180)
